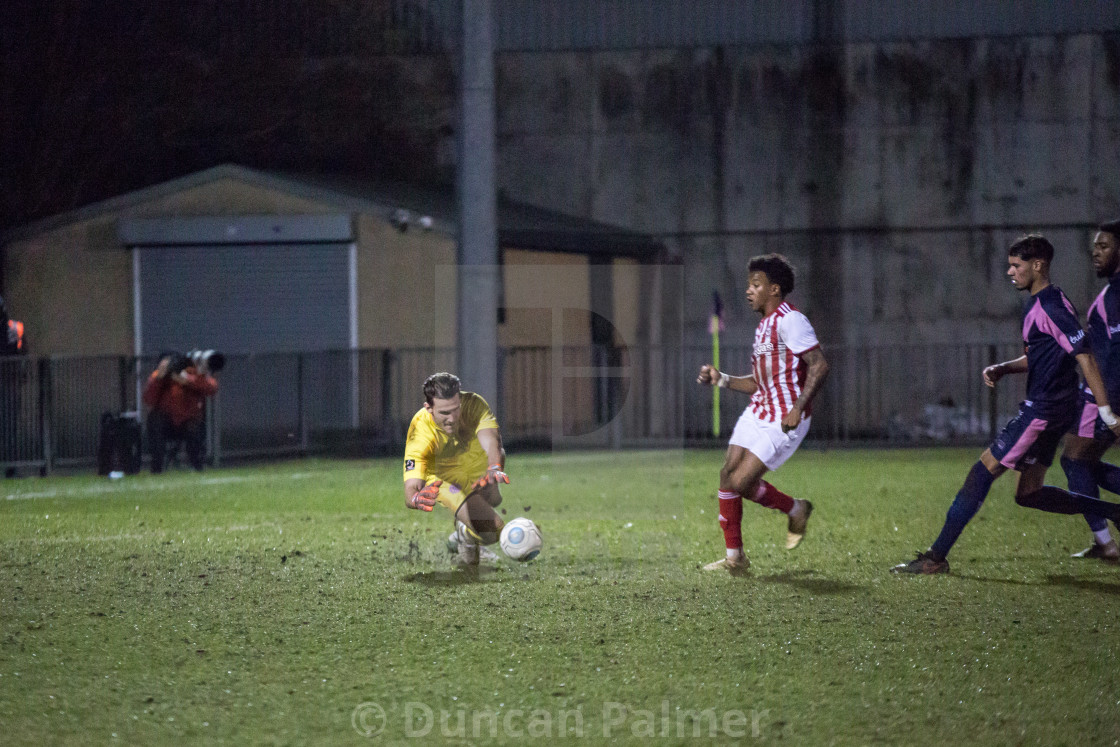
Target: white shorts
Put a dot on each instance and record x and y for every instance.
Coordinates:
(766, 440)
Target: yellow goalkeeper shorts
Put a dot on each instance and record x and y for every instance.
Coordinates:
(456, 484)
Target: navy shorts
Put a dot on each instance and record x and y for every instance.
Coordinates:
(1030, 439)
(1089, 423)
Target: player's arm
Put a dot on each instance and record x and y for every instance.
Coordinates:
(711, 376)
(816, 373)
(997, 371)
(417, 453)
(419, 497)
(1095, 383)
(490, 439)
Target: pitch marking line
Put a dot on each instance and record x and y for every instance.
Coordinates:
(90, 491)
(156, 535)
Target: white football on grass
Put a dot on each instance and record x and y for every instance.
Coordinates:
(520, 539)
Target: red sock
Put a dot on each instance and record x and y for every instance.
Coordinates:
(770, 497)
(731, 519)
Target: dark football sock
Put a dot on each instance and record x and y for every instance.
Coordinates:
(965, 506)
(1108, 477)
(1082, 479)
(1058, 501)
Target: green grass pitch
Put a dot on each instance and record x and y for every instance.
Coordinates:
(301, 603)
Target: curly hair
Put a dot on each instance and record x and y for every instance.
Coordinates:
(777, 269)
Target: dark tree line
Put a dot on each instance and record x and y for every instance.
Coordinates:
(100, 97)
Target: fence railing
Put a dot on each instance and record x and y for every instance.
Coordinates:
(360, 402)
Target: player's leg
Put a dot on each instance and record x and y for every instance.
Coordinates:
(1027, 444)
(1107, 476)
(477, 525)
(772, 447)
(480, 518)
(476, 522)
(1032, 493)
(491, 494)
(757, 447)
(1086, 473)
(467, 537)
(740, 468)
(965, 505)
(492, 497)
(1081, 462)
(797, 509)
(967, 502)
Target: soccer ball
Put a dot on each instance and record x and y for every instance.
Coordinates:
(521, 540)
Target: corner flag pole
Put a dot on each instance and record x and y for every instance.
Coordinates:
(715, 324)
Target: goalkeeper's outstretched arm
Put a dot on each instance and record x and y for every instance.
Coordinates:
(419, 497)
(491, 441)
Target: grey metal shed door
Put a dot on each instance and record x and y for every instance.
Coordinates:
(245, 298)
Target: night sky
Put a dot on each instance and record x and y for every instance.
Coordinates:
(98, 98)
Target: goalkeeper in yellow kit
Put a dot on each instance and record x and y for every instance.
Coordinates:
(453, 456)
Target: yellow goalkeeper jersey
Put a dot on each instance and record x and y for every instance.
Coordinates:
(459, 459)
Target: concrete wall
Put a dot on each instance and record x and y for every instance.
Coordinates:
(893, 174)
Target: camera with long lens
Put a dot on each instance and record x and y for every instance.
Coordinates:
(209, 360)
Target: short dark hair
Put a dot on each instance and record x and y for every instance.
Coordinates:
(1112, 227)
(441, 385)
(1030, 247)
(777, 269)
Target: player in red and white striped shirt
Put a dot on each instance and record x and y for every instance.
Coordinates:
(788, 369)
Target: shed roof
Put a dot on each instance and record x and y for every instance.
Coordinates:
(520, 226)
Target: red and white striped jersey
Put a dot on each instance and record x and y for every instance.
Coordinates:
(779, 342)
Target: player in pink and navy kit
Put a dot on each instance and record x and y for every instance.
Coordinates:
(788, 369)
(1055, 345)
(1090, 438)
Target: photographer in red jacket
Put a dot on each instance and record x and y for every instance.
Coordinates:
(14, 373)
(176, 392)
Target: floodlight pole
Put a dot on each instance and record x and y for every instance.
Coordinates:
(478, 280)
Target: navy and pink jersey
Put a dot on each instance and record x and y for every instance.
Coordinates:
(1052, 337)
(781, 339)
(1103, 326)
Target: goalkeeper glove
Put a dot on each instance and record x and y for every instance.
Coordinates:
(494, 475)
(425, 499)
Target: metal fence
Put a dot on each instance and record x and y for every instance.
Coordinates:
(360, 402)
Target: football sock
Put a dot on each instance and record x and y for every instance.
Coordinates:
(1057, 501)
(1081, 478)
(1108, 477)
(1103, 537)
(770, 497)
(731, 519)
(965, 506)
